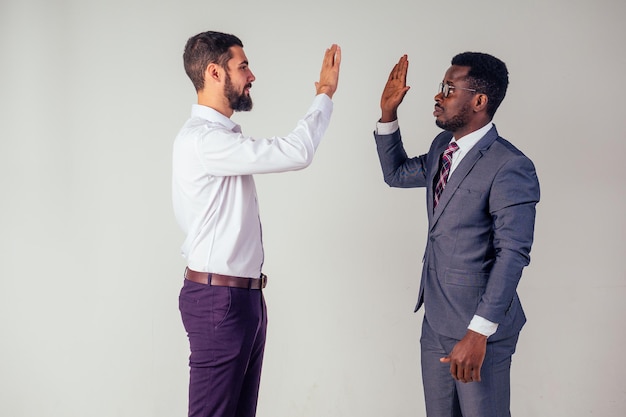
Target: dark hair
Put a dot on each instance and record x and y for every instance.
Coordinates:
(487, 75)
(205, 48)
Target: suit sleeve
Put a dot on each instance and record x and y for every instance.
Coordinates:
(398, 169)
(513, 197)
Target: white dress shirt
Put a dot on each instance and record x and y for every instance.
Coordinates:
(213, 191)
(478, 324)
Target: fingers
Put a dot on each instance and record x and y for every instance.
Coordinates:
(460, 372)
(333, 55)
(332, 58)
(400, 70)
(467, 374)
(464, 373)
(475, 375)
(396, 84)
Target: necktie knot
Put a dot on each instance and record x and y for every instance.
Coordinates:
(452, 147)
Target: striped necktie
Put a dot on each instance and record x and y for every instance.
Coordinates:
(446, 161)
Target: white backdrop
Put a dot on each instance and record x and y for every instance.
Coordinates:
(91, 97)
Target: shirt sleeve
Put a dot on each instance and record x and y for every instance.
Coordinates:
(223, 152)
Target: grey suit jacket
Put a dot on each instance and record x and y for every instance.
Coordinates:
(480, 234)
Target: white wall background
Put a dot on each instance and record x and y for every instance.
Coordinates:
(91, 97)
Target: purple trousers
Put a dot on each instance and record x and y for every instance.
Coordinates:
(226, 329)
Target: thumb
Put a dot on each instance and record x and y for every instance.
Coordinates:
(445, 359)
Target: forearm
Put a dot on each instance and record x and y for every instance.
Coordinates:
(398, 169)
(227, 153)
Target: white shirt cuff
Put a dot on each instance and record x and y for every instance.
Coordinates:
(482, 326)
(386, 128)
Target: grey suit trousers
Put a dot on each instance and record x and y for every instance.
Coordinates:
(446, 397)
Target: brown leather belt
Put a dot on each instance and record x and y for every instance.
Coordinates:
(226, 280)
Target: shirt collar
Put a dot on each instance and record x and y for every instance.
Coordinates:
(212, 115)
(472, 139)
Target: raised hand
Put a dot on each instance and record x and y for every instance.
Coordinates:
(394, 91)
(329, 74)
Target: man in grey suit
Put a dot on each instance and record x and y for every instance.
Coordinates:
(481, 194)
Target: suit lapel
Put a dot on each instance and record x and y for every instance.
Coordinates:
(459, 174)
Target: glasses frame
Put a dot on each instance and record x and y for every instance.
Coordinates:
(445, 89)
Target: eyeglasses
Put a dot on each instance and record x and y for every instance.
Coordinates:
(446, 89)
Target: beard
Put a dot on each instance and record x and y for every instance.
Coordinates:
(237, 101)
(456, 122)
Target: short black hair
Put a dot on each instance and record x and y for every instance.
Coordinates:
(205, 48)
(487, 75)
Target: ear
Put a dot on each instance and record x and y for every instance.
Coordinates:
(213, 72)
(480, 102)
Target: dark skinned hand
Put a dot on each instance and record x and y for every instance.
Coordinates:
(467, 357)
(394, 91)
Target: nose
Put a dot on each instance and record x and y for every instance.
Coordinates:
(251, 77)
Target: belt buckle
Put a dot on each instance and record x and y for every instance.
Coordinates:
(263, 280)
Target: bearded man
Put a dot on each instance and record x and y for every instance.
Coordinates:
(215, 203)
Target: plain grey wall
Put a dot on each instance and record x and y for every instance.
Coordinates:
(91, 97)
